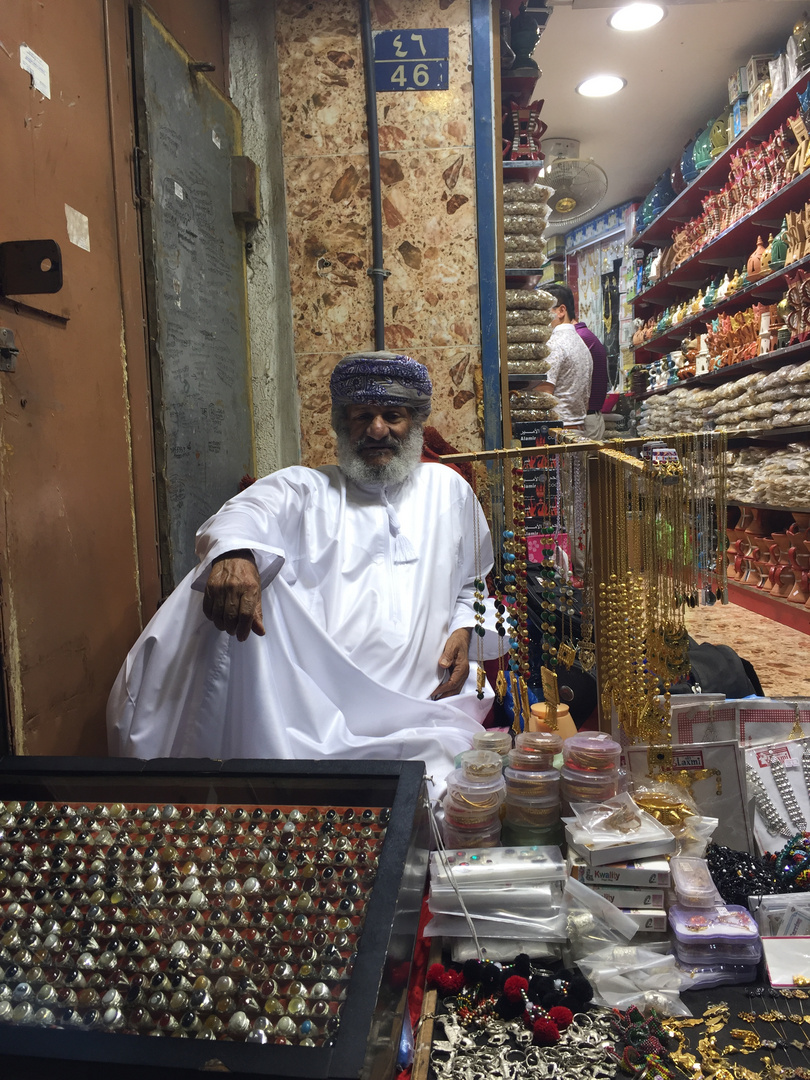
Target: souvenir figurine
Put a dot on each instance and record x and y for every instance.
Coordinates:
(754, 265)
(718, 133)
(702, 151)
(779, 247)
(526, 33)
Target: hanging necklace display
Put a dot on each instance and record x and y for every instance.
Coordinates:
(515, 560)
(548, 625)
(567, 651)
(496, 503)
(774, 821)
(786, 792)
(479, 608)
(587, 649)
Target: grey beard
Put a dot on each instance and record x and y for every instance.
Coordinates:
(399, 468)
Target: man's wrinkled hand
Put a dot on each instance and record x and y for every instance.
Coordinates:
(233, 596)
(456, 660)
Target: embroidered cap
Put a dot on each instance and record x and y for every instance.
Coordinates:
(381, 378)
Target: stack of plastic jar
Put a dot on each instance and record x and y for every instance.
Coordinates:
(532, 807)
(499, 742)
(472, 805)
(590, 772)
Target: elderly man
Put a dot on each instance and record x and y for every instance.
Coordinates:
(336, 614)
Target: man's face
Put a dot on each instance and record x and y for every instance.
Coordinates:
(558, 315)
(376, 432)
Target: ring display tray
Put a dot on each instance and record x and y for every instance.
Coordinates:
(253, 917)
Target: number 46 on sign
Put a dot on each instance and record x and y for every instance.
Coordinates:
(411, 59)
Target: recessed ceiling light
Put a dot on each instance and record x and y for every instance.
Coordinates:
(636, 17)
(601, 86)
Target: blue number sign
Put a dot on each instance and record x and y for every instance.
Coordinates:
(411, 59)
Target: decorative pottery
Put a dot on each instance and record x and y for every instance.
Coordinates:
(526, 33)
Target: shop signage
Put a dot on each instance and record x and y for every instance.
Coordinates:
(411, 59)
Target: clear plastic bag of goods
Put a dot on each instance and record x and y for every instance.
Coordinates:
(501, 866)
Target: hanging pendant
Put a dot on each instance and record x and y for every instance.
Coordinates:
(566, 654)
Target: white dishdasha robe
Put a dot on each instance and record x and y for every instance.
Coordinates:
(361, 588)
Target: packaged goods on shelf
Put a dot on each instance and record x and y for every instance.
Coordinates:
(521, 194)
(527, 316)
(770, 477)
(520, 260)
(528, 299)
(526, 350)
(525, 242)
(526, 223)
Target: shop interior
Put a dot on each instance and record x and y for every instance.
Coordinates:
(214, 203)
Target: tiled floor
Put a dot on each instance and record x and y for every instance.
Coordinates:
(780, 655)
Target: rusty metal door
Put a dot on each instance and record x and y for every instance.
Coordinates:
(74, 414)
(187, 135)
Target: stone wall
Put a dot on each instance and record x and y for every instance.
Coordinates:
(428, 191)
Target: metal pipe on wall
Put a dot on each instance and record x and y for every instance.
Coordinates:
(376, 271)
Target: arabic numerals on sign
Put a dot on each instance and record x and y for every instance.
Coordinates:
(411, 59)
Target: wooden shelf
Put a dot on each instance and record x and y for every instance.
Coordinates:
(772, 607)
(767, 506)
(766, 288)
(687, 204)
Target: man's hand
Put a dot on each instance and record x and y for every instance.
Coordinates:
(233, 596)
(456, 659)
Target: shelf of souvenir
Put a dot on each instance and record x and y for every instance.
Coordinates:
(697, 313)
(230, 903)
(726, 248)
(770, 361)
(689, 202)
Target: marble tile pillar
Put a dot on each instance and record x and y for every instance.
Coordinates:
(428, 201)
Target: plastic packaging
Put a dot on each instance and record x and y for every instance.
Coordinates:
(707, 952)
(479, 765)
(704, 977)
(506, 865)
(727, 924)
(499, 742)
(693, 883)
(591, 751)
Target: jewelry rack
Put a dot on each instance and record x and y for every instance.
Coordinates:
(618, 558)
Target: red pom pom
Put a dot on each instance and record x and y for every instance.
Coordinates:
(450, 982)
(546, 1032)
(514, 988)
(561, 1016)
(434, 973)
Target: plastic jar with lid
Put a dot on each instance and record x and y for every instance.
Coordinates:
(526, 823)
(479, 765)
(463, 831)
(532, 785)
(591, 751)
(499, 742)
(587, 787)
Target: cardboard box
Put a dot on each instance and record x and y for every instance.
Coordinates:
(739, 116)
(737, 85)
(645, 872)
(635, 899)
(663, 845)
(757, 69)
(649, 922)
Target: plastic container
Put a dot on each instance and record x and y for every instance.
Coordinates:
(727, 924)
(518, 832)
(499, 742)
(693, 883)
(588, 787)
(532, 785)
(536, 812)
(475, 797)
(707, 952)
(464, 830)
(535, 750)
(479, 765)
(591, 751)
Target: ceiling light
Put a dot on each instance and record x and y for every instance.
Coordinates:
(636, 17)
(601, 86)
